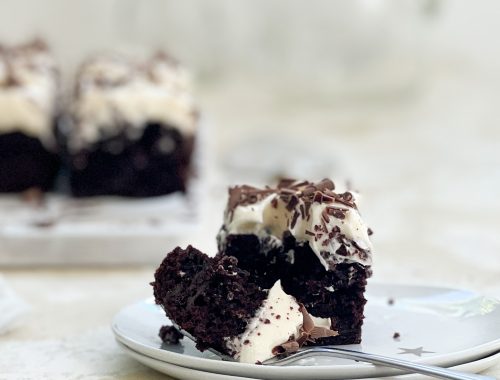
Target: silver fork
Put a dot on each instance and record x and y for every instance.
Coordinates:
(407, 366)
(404, 365)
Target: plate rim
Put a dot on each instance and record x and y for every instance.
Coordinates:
(492, 360)
(235, 368)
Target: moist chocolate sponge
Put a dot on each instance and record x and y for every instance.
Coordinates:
(336, 294)
(190, 286)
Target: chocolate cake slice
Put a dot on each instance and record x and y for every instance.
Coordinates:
(313, 239)
(132, 128)
(291, 270)
(28, 113)
(224, 309)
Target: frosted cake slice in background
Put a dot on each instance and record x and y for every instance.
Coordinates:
(132, 127)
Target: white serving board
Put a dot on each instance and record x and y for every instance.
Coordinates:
(103, 230)
(93, 231)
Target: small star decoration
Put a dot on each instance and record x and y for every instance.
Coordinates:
(414, 351)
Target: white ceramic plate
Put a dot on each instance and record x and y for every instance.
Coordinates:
(445, 327)
(182, 373)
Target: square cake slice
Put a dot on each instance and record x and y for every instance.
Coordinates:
(132, 127)
(311, 237)
(291, 270)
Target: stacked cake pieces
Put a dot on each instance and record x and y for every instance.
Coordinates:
(291, 270)
(132, 127)
(28, 110)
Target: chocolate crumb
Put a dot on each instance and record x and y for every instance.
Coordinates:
(267, 321)
(396, 335)
(44, 223)
(347, 196)
(370, 232)
(278, 316)
(246, 341)
(33, 195)
(302, 211)
(170, 335)
(318, 197)
(294, 201)
(274, 202)
(338, 213)
(294, 219)
(342, 250)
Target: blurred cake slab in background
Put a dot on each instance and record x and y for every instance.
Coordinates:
(29, 105)
(132, 127)
(131, 139)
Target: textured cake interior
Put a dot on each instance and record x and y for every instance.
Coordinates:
(211, 298)
(336, 294)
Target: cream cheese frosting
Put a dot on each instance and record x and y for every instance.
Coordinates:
(28, 90)
(280, 318)
(113, 90)
(315, 214)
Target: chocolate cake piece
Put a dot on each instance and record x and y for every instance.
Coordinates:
(224, 309)
(132, 128)
(312, 238)
(291, 270)
(28, 113)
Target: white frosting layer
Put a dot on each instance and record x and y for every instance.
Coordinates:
(277, 320)
(113, 90)
(28, 91)
(264, 217)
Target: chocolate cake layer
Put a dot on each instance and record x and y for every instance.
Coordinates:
(25, 163)
(132, 127)
(157, 163)
(336, 294)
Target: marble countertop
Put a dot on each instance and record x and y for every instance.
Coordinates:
(426, 159)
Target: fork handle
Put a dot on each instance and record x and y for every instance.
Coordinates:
(442, 373)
